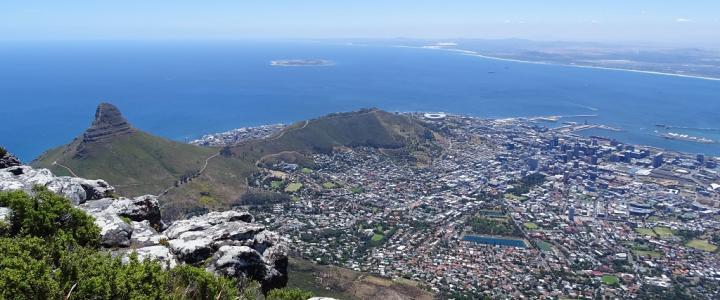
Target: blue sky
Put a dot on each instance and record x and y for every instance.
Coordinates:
(666, 21)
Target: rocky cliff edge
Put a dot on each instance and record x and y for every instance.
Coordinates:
(226, 243)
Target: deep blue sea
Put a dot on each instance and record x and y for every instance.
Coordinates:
(181, 90)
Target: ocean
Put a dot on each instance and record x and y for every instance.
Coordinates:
(182, 90)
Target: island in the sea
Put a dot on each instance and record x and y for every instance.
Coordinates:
(301, 63)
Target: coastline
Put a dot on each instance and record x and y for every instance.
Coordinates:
(301, 63)
(477, 54)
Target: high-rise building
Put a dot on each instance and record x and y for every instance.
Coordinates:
(554, 142)
(532, 164)
(657, 160)
(571, 213)
(710, 164)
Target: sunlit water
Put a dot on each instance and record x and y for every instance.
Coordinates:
(181, 90)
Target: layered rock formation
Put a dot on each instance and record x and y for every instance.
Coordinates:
(108, 123)
(226, 243)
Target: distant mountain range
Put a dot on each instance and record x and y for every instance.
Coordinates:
(659, 58)
(192, 179)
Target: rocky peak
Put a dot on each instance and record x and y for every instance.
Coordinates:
(7, 160)
(108, 123)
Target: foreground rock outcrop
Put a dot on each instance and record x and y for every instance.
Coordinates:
(7, 160)
(78, 190)
(227, 243)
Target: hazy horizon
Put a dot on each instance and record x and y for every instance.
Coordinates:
(671, 23)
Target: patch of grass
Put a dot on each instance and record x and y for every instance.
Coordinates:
(610, 279)
(329, 185)
(703, 245)
(493, 224)
(126, 219)
(544, 246)
(207, 200)
(276, 184)
(377, 237)
(356, 190)
(531, 226)
(663, 231)
(652, 254)
(293, 187)
(646, 231)
(306, 170)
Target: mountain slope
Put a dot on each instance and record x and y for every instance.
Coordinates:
(368, 127)
(134, 161)
(192, 179)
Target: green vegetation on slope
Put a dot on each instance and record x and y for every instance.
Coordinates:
(224, 180)
(49, 250)
(370, 127)
(138, 163)
(135, 164)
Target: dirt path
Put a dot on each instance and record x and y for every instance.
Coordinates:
(196, 175)
(206, 163)
(282, 133)
(66, 168)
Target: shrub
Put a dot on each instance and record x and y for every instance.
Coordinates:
(49, 216)
(289, 294)
(196, 283)
(49, 249)
(25, 269)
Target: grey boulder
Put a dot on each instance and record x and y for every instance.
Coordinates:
(158, 252)
(118, 219)
(78, 190)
